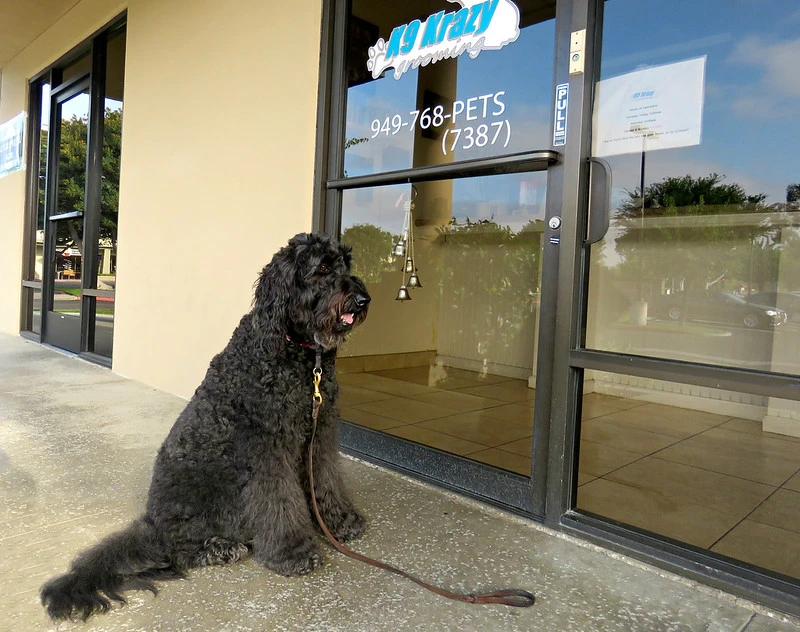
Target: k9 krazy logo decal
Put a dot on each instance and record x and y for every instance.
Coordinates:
(478, 25)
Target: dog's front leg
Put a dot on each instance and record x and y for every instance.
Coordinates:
(338, 512)
(276, 511)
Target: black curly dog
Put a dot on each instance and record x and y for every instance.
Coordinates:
(230, 478)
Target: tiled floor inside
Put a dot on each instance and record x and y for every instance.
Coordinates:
(713, 481)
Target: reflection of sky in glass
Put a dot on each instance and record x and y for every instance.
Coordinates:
(523, 70)
(527, 88)
(752, 92)
(512, 200)
(78, 106)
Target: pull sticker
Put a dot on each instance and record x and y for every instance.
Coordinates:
(560, 117)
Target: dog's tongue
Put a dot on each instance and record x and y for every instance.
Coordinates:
(347, 318)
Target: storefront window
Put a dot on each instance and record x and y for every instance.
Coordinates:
(697, 120)
(456, 108)
(452, 367)
(705, 266)
(448, 356)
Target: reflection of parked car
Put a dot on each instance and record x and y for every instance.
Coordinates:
(789, 302)
(718, 307)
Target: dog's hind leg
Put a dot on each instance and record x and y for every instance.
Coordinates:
(219, 551)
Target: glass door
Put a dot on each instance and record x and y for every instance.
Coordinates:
(681, 388)
(66, 206)
(80, 136)
(440, 176)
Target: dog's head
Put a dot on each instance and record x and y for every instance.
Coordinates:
(307, 293)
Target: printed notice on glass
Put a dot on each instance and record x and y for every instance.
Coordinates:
(655, 108)
(11, 136)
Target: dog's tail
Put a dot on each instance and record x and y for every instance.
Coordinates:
(126, 560)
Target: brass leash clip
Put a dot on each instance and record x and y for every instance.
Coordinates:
(317, 380)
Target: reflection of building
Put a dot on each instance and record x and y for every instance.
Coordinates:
(519, 348)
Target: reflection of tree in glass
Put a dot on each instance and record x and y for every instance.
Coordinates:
(694, 252)
(793, 195)
(489, 283)
(372, 248)
(72, 177)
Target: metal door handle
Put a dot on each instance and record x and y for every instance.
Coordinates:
(599, 200)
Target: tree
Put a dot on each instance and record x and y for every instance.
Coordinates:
(372, 251)
(489, 284)
(793, 194)
(709, 244)
(72, 178)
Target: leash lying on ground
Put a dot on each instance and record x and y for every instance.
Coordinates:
(512, 597)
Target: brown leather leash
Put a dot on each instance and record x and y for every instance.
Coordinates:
(512, 597)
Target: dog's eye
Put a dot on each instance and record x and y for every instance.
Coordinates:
(323, 268)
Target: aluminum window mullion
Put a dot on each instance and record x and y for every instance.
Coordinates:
(538, 160)
(726, 378)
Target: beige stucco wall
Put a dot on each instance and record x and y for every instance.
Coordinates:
(217, 172)
(217, 168)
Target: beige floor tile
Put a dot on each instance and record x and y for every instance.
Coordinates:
(622, 437)
(370, 420)
(350, 395)
(514, 391)
(475, 376)
(597, 405)
(766, 442)
(504, 460)
(675, 484)
(512, 412)
(383, 384)
(458, 402)
(416, 375)
(446, 443)
(755, 428)
(585, 478)
(404, 409)
(736, 454)
(522, 447)
(793, 483)
(597, 459)
(479, 427)
(763, 545)
(781, 510)
(695, 524)
(667, 420)
(439, 377)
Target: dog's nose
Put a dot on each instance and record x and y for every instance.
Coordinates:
(361, 300)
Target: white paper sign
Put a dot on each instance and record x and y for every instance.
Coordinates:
(655, 108)
(11, 137)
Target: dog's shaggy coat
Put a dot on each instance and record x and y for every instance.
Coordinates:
(230, 478)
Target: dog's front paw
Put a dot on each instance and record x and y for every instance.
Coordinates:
(347, 525)
(291, 561)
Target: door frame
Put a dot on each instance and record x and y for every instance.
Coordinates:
(53, 332)
(95, 82)
(571, 358)
(549, 495)
(525, 495)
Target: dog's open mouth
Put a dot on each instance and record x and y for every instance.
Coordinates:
(347, 319)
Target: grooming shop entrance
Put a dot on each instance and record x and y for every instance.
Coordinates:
(580, 245)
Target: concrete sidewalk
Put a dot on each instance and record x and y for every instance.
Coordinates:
(76, 448)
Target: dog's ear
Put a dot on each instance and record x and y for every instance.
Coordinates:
(347, 254)
(271, 304)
